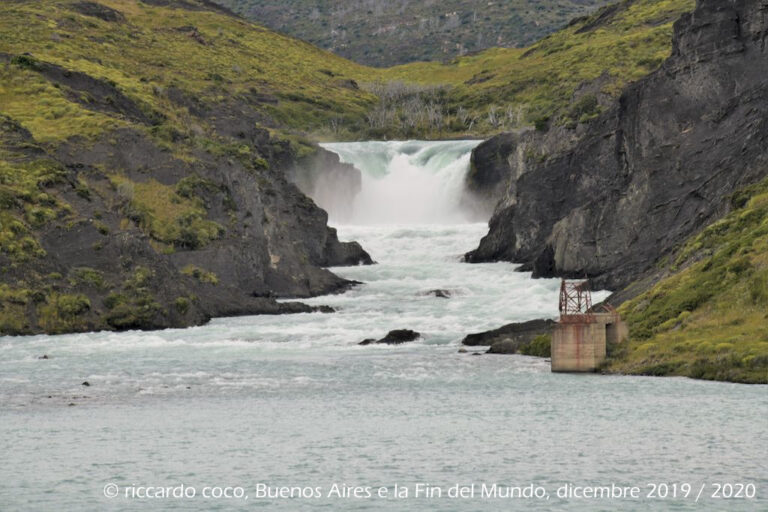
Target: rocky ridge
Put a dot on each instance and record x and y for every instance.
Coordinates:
(609, 198)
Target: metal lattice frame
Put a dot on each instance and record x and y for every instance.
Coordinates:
(575, 301)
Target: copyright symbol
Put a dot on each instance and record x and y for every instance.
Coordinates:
(111, 490)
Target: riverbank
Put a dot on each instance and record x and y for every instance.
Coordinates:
(636, 356)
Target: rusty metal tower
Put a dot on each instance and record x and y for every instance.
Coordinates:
(576, 302)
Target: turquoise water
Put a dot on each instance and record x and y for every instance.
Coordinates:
(293, 401)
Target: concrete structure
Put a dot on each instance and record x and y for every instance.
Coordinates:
(580, 338)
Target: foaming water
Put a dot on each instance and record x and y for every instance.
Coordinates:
(295, 401)
(405, 181)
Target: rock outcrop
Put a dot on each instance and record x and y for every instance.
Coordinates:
(143, 189)
(512, 338)
(243, 236)
(609, 198)
(396, 337)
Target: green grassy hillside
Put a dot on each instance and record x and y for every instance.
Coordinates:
(144, 50)
(147, 49)
(386, 33)
(709, 318)
(564, 78)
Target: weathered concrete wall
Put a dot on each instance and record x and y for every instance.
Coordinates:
(616, 331)
(581, 346)
(578, 347)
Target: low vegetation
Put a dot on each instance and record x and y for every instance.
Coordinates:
(167, 215)
(506, 88)
(152, 58)
(709, 318)
(540, 346)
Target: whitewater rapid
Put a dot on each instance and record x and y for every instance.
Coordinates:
(404, 182)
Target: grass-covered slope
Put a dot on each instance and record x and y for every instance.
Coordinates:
(145, 48)
(386, 33)
(564, 78)
(709, 318)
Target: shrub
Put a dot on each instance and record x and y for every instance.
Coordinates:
(72, 305)
(26, 62)
(182, 305)
(87, 276)
(541, 124)
(200, 274)
(540, 346)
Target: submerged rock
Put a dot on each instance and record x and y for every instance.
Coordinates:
(395, 337)
(439, 293)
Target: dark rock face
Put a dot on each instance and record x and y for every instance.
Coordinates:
(395, 337)
(489, 172)
(610, 198)
(510, 338)
(274, 241)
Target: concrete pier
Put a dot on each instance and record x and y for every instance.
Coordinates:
(580, 338)
(579, 342)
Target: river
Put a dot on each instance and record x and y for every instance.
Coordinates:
(254, 403)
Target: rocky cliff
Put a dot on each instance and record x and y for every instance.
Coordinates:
(608, 198)
(137, 193)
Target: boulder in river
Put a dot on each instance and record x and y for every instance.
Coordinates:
(395, 337)
(518, 333)
(518, 338)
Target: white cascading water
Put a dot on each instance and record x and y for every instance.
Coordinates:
(404, 182)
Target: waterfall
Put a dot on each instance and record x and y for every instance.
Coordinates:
(403, 182)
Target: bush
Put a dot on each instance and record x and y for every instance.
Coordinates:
(540, 346)
(182, 305)
(72, 305)
(200, 274)
(26, 62)
(87, 276)
(541, 124)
